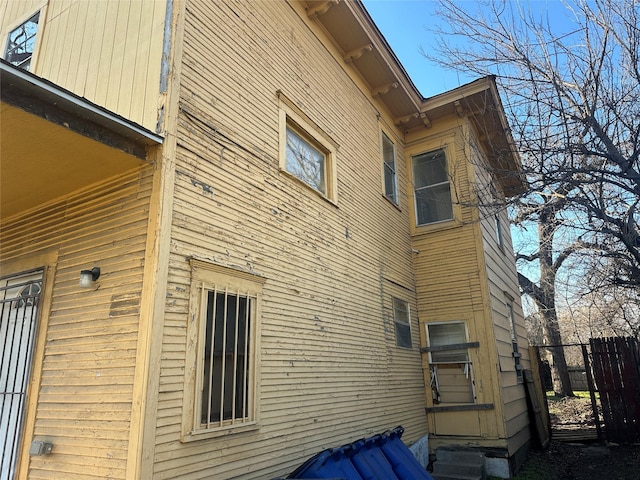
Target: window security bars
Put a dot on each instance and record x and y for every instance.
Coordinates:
(19, 296)
(227, 383)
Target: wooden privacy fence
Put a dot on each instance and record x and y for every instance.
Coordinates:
(616, 368)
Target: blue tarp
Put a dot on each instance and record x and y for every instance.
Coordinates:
(381, 457)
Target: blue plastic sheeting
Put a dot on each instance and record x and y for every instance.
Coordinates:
(381, 457)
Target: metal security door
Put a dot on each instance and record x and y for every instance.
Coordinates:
(19, 296)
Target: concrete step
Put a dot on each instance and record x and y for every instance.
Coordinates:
(443, 468)
(459, 464)
(455, 477)
(468, 457)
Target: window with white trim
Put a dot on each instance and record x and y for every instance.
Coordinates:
(449, 363)
(498, 225)
(432, 187)
(389, 160)
(307, 153)
(221, 392)
(305, 159)
(21, 43)
(402, 322)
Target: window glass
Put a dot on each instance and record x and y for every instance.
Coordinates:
(305, 161)
(21, 43)
(402, 323)
(389, 158)
(498, 224)
(432, 188)
(221, 389)
(226, 364)
(448, 334)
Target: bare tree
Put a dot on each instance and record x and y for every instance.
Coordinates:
(572, 97)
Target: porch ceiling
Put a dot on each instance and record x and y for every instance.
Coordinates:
(53, 142)
(41, 160)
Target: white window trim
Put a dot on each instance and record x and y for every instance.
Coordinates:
(433, 366)
(39, 34)
(292, 117)
(449, 182)
(205, 274)
(408, 323)
(393, 200)
(446, 141)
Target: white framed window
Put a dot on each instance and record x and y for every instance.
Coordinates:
(220, 387)
(498, 226)
(389, 166)
(402, 322)
(432, 187)
(305, 159)
(21, 43)
(450, 365)
(306, 152)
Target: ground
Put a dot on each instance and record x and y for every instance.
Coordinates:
(579, 460)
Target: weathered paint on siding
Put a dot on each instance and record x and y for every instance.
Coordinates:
(462, 274)
(502, 281)
(106, 52)
(86, 372)
(330, 370)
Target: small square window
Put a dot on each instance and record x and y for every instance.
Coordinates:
(389, 159)
(21, 43)
(307, 153)
(402, 322)
(432, 188)
(305, 161)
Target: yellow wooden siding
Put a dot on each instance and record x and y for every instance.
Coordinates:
(451, 284)
(107, 52)
(503, 287)
(330, 371)
(84, 398)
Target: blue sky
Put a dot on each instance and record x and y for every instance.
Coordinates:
(405, 24)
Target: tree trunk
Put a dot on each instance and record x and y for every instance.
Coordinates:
(557, 361)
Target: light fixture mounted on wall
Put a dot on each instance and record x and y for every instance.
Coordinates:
(88, 277)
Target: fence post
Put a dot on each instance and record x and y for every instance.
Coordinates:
(592, 391)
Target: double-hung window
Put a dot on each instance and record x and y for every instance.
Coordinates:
(390, 178)
(221, 389)
(402, 322)
(450, 364)
(432, 187)
(21, 43)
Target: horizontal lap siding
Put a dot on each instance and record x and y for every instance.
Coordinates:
(503, 283)
(84, 399)
(451, 286)
(330, 371)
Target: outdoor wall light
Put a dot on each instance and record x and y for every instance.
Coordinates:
(87, 277)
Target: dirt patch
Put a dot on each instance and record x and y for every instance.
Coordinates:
(573, 461)
(579, 461)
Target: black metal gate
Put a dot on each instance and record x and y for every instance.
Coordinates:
(19, 297)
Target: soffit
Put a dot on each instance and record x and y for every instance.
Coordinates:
(362, 45)
(53, 142)
(42, 161)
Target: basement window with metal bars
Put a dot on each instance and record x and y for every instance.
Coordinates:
(226, 307)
